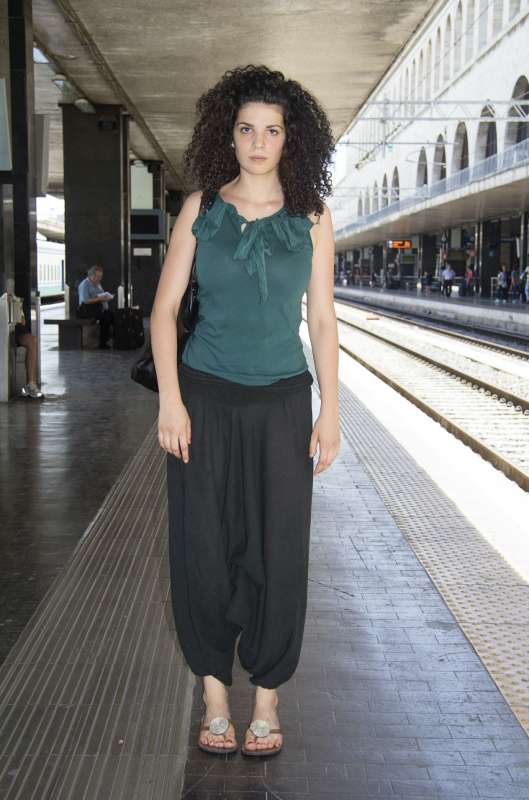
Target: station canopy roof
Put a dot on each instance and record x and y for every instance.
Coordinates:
(156, 58)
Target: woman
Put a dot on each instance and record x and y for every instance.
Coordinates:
(235, 416)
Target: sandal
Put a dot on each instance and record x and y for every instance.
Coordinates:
(260, 729)
(218, 726)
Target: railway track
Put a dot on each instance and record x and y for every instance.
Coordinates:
(480, 396)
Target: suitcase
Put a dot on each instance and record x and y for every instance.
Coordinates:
(128, 328)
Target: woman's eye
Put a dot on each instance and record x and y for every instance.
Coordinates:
(243, 129)
(274, 131)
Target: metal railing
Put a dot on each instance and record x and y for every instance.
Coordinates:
(511, 157)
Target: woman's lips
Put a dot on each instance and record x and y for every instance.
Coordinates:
(259, 158)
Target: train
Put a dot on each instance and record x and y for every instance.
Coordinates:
(50, 268)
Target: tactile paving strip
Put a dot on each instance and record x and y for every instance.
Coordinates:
(95, 697)
(487, 597)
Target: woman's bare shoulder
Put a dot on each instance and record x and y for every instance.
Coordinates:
(192, 203)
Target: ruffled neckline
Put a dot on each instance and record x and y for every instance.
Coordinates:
(233, 210)
(253, 246)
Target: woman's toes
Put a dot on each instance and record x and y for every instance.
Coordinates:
(264, 744)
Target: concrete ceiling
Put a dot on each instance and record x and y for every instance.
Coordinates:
(157, 58)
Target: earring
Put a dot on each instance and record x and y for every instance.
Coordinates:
(233, 144)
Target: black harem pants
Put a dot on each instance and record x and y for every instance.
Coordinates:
(239, 525)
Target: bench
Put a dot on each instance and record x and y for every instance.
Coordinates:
(76, 333)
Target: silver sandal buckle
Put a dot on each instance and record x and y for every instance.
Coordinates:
(260, 728)
(219, 725)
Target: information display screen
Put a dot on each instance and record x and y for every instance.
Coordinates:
(399, 244)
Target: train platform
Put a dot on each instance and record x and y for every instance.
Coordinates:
(59, 460)
(413, 681)
(467, 311)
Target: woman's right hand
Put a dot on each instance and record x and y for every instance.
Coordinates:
(174, 430)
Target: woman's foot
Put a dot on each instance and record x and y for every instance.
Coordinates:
(265, 708)
(215, 697)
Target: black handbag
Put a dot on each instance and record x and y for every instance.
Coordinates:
(144, 371)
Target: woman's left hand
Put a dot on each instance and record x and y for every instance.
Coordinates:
(326, 433)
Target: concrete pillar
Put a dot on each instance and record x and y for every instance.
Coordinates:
(96, 196)
(524, 247)
(490, 253)
(427, 254)
(19, 212)
(379, 266)
(7, 259)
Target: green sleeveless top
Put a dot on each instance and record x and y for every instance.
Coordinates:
(250, 285)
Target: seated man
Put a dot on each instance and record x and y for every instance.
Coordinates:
(93, 303)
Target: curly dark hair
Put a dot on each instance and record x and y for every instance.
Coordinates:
(304, 167)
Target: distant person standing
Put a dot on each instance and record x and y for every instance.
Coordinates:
(503, 284)
(448, 276)
(94, 303)
(524, 285)
(469, 278)
(515, 285)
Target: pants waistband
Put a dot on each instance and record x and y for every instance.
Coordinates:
(292, 383)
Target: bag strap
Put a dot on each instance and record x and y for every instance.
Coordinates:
(204, 206)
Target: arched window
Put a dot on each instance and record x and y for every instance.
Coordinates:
(360, 209)
(458, 39)
(483, 22)
(375, 198)
(385, 197)
(514, 7)
(469, 31)
(428, 72)
(497, 16)
(491, 147)
(518, 131)
(420, 80)
(446, 50)
(422, 170)
(439, 161)
(487, 137)
(367, 203)
(395, 186)
(437, 61)
(460, 154)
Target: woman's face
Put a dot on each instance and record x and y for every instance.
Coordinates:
(259, 135)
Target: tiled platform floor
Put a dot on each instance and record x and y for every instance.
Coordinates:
(436, 297)
(390, 699)
(58, 460)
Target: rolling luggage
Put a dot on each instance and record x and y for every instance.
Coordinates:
(128, 328)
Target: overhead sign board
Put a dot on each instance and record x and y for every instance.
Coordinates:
(399, 244)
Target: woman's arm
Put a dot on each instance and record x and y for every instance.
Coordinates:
(323, 333)
(174, 426)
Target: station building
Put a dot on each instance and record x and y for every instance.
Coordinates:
(437, 159)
